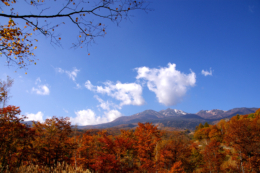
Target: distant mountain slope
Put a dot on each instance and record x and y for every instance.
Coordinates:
(172, 118)
(169, 118)
(142, 116)
(211, 114)
(172, 112)
(28, 123)
(219, 114)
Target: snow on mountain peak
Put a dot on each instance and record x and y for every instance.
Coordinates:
(179, 112)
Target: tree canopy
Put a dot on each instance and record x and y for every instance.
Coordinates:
(20, 33)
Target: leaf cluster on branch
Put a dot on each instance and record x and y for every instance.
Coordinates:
(17, 41)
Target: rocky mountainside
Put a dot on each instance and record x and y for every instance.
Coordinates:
(219, 114)
(173, 118)
(172, 112)
(170, 118)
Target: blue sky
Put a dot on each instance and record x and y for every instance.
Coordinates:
(187, 55)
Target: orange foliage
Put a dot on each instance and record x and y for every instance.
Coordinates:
(231, 146)
(147, 137)
(213, 157)
(15, 139)
(16, 45)
(177, 168)
(52, 143)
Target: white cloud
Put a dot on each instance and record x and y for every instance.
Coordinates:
(88, 117)
(106, 104)
(206, 73)
(83, 117)
(65, 110)
(60, 70)
(89, 86)
(127, 93)
(78, 86)
(72, 74)
(38, 80)
(112, 115)
(41, 90)
(169, 84)
(34, 117)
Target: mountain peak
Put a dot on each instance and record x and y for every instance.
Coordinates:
(174, 118)
(218, 114)
(172, 112)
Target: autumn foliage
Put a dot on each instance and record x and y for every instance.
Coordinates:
(20, 29)
(54, 146)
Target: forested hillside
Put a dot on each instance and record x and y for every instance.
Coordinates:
(228, 146)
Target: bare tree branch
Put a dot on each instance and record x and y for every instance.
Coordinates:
(77, 11)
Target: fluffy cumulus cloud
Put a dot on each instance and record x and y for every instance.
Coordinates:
(72, 74)
(126, 93)
(112, 115)
(169, 84)
(34, 117)
(88, 117)
(207, 73)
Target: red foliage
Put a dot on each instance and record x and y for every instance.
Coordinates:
(15, 139)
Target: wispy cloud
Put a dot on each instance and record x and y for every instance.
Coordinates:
(251, 8)
(106, 105)
(71, 74)
(169, 84)
(78, 86)
(207, 73)
(37, 81)
(65, 110)
(40, 89)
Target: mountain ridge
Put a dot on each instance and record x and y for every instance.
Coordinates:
(169, 118)
(174, 118)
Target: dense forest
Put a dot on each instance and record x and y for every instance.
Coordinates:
(228, 146)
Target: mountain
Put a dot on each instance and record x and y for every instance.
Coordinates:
(169, 118)
(172, 112)
(139, 117)
(211, 114)
(219, 114)
(172, 118)
(28, 123)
